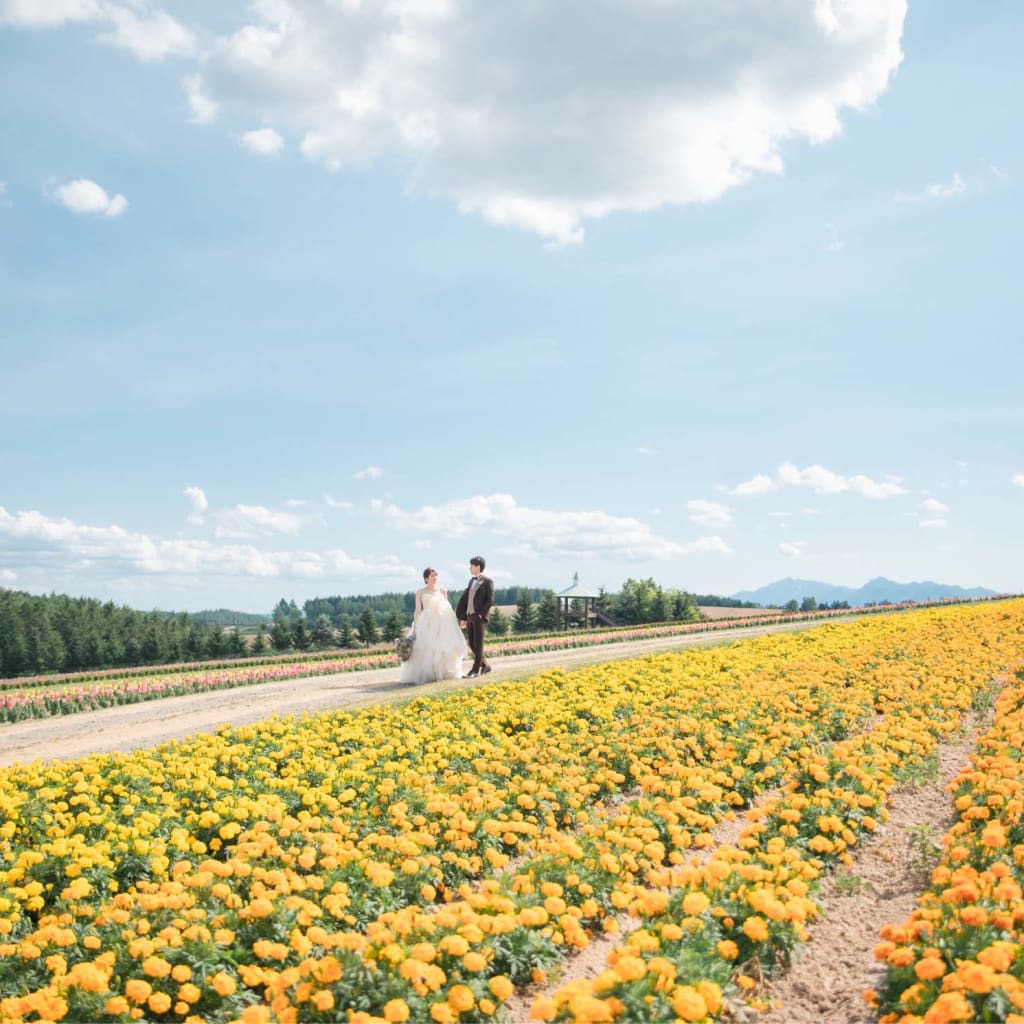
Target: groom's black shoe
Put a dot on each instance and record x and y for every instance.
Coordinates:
(473, 674)
(484, 669)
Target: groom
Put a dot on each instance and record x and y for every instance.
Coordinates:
(473, 612)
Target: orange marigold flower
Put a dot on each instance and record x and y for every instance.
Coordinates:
(727, 949)
(159, 1002)
(137, 990)
(695, 903)
(461, 998)
(755, 929)
(544, 1009)
(930, 968)
(223, 984)
(950, 1006)
(155, 967)
(501, 987)
(998, 956)
(976, 977)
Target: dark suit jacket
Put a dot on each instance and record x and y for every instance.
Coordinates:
(484, 599)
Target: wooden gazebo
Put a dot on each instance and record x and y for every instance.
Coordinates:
(576, 593)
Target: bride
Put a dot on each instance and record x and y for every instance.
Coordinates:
(440, 645)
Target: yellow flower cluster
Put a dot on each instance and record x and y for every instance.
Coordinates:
(418, 862)
(958, 957)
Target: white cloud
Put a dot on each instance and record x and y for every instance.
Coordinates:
(369, 473)
(792, 550)
(337, 504)
(543, 116)
(296, 503)
(644, 450)
(85, 196)
(47, 13)
(956, 186)
(118, 549)
(709, 513)
(197, 497)
(933, 523)
(255, 520)
(545, 532)
(1017, 479)
(8, 576)
(202, 110)
(759, 484)
(151, 35)
(148, 34)
(824, 481)
(707, 546)
(262, 142)
(932, 505)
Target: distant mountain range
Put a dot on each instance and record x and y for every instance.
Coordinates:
(873, 592)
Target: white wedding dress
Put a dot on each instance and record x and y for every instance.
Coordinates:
(440, 645)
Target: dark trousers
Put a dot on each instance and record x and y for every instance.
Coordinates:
(475, 627)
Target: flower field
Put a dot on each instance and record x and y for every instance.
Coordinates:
(422, 862)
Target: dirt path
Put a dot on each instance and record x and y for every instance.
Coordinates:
(132, 726)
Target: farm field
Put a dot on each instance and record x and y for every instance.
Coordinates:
(447, 859)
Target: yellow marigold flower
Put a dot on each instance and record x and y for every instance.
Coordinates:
(727, 949)
(159, 1002)
(396, 1011)
(454, 945)
(630, 968)
(461, 998)
(442, 1013)
(155, 967)
(181, 972)
(425, 952)
(501, 987)
(695, 903)
(190, 993)
(255, 1014)
(474, 961)
(137, 990)
(324, 1000)
(688, 1004)
(116, 1005)
(223, 984)
(755, 929)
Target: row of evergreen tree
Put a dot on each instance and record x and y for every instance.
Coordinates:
(56, 633)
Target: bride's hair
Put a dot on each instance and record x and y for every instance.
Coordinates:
(427, 572)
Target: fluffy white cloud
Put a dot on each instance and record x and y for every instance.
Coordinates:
(369, 473)
(47, 13)
(255, 520)
(759, 484)
(709, 513)
(202, 110)
(8, 576)
(824, 481)
(262, 142)
(1017, 479)
(932, 505)
(197, 498)
(933, 524)
(148, 34)
(791, 550)
(331, 503)
(120, 550)
(545, 532)
(85, 196)
(542, 116)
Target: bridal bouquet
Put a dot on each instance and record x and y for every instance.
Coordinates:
(403, 647)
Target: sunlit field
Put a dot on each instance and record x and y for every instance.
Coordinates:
(429, 860)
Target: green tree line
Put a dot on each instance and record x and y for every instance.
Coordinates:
(56, 633)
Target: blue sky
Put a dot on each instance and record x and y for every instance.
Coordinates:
(300, 297)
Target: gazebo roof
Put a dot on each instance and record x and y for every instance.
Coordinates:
(576, 590)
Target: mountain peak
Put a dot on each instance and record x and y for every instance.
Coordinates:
(876, 591)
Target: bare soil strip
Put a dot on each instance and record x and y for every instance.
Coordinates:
(134, 726)
(826, 986)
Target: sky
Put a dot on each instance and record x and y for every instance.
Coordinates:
(302, 296)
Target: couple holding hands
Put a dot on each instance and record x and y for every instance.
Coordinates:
(439, 645)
